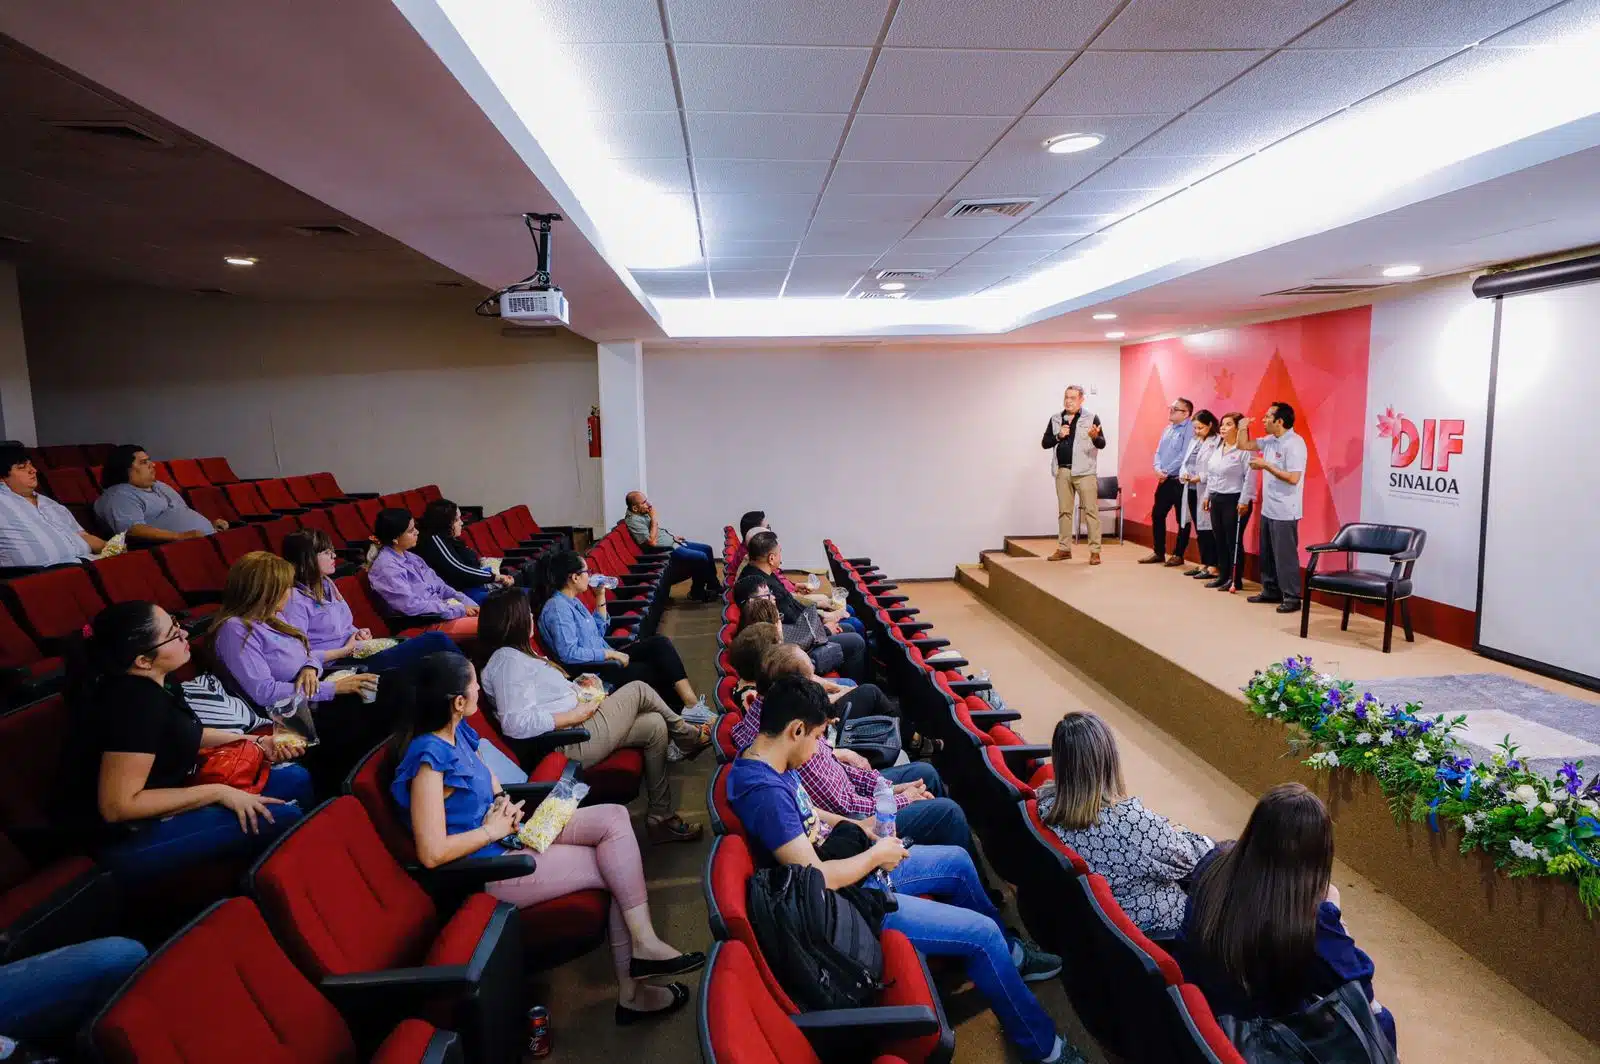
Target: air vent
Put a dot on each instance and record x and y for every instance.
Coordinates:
(116, 130)
(874, 294)
(331, 229)
(1330, 288)
(987, 208)
(906, 275)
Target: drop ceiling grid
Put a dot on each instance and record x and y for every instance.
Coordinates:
(847, 127)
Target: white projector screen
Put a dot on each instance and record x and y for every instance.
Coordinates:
(1541, 544)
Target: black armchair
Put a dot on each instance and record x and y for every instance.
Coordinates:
(1401, 545)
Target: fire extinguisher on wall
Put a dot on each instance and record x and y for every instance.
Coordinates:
(594, 432)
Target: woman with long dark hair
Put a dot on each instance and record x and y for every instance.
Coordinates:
(405, 584)
(457, 809)
(1193, 476)
(576, 637)
(439, 543)
(1263, 932)
(147, 742)
(1229, 487)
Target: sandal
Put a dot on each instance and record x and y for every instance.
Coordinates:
(692, 743)
(672, 829)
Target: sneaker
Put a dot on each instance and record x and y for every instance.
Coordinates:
(699, 713)
(673, 753)
(1035, 964)
(1064, 1052)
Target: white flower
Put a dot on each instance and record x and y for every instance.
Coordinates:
(1589, 805)
(1558, 822)
(1549, 808)
(1468, 823)
(1421, 754)
(1261, 699)
(1326, 759)
(1363, 738)
(1386, 738)
(1526, 795)
(1526, 850)
(1327, 679)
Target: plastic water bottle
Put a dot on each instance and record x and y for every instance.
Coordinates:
(602, 580)
(883, 810)
(813, 581)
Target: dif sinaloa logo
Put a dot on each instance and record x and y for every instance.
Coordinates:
(1419, 460)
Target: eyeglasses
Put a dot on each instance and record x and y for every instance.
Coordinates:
(329, 551)
(177, 633)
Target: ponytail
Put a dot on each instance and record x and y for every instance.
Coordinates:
(421, 699)
(551, 573)
(118, 636)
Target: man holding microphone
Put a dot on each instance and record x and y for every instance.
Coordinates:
(1075, 463)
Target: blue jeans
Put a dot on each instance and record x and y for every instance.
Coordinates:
(157, 847)
(854, 647)
(695, 561)
(478, 594)
(967, 927)
(50, 994)
(409, 652)
(936, 821)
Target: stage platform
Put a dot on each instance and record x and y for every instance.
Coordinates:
(1178, 653)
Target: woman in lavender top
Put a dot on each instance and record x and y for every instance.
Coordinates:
(408, 585)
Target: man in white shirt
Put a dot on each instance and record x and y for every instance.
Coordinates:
(36, 531)
(1282, 462)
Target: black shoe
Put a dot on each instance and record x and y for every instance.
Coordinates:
(682, 964)
(1037, 965)
(627, 1017)
(1264, 597)
(1196, 571)
(1220, 582)
(1288, 606)
(1203, 575)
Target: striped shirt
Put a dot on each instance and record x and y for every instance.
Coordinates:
(836, 787)
(38, 535)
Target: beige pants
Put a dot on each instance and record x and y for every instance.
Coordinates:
(634, 715)
(1086, 489)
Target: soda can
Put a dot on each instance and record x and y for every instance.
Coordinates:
(539, 1036)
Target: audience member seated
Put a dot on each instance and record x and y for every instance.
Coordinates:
(457, 809)
(766, 558)
(47, 997)
(770, 799)
(842, 782)
(576, 637)
(439, 543)
(132, 500)
(1143, 856)
(749, 646)
(750, 523)
(692, 560)
(36, 530)
(532, 697)
(1262, 932)
(757, 603)
(149, 741)
(756, 521)
(269, 660)
(404, 583)
(317, 609)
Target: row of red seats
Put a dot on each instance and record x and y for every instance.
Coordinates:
(71, 454)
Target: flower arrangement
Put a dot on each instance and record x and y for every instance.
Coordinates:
(1529, 824)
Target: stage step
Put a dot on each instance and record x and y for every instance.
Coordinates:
(973, 577)
(1029, 547)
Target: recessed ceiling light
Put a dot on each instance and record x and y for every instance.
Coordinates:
(239, 260)
(1068, 143)
(1409, 269)
(1115, 335)
(1105, 315)
(892, 286)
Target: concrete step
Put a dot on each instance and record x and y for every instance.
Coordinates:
(972, 577)
(1029, 547)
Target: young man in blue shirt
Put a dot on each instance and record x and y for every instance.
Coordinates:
(764, 790)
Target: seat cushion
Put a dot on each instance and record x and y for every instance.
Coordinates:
(617, 778)
(906, 983)
(38, 888)
(458, 938)
(557, 930)
(406, 1044)
(549, 768)
(1360, 583)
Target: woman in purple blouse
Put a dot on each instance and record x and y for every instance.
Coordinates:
(408, 586)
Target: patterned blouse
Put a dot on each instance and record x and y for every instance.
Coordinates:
(1142, 855)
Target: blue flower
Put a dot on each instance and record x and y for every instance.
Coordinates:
(1569, 773)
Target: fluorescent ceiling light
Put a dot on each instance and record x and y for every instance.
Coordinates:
(892, 286)
(1072, 143)
(1105, 315)
(1405, 270)
(239, 260)
(1115, 335)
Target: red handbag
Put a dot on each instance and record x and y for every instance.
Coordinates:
(238, 764)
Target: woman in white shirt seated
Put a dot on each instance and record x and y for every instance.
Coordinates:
(533, 696)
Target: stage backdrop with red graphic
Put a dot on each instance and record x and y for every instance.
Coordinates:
(1317, 363)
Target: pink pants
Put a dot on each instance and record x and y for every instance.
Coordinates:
(458, 629)
(596, 850)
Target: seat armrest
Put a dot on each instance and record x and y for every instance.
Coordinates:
(874, 588)
(470, 512)
(392, 994)
(21, 686)
(948, 663)
(1324, 548)
(289, 511)
(623, 605)
(927, 644)
(988, 718)
(85, 907)
(532, 793)
(467, 875)
(900, 613)
(531, 751)
(913, 628)
(619, 641)
(840, 1028)
(859, 562)
(889, 600)
(1405, 556)
(1021, 753)
(970, 687)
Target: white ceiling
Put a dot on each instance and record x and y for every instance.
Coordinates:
(819, 142)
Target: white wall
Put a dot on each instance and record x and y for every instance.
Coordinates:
(622, 467)
(388, 396)
(16, 392)
(917, 456)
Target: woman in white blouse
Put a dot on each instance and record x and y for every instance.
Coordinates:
(533, 696)
(1192, 475)
(1230, 489)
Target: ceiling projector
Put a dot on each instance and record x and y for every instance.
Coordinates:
(532, 301)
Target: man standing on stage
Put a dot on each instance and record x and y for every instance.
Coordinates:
(1075, 463)
(1169, 489)
(1282, 459)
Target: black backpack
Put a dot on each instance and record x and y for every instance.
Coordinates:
(823, 951)
(1338, 1028)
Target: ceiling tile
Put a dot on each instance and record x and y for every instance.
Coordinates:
(623, 77)
(1037, 243)
(1018, 164)
(961, 227)
(954, 288)
(752, 227)
(1065, 225)
(1123, 83)
(736, 248)
(960, 245)
(673, 285)
(1572, 17)
(640, 134)
(998, 23)
(584, 21)
(1155, 171)
(1114, 204)
(720, 264)
(917, 254)
(763, 136)
(1418, 23)
(1194, 24)
(734, 206)
(812, 22)
(1225, 134)
(874, 208)
(760, 175)
(747, 284)
(740, 77)
(916, 138)
(1002, 260)
(915, 81)
(820, 271)
(668, 175)
(852, 176)
(851, 238)
(1326, 79)
(797, 289)
(834, 263)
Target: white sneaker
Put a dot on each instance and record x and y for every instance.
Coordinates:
(699, 713)
(673, 753)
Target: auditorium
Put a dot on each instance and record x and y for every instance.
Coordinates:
(1152, 619)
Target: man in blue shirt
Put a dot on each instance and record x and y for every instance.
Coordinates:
(765, 792)
(1169, 489)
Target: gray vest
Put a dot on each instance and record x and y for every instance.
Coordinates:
(1085, 455)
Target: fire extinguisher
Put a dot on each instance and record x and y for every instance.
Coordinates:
(594, 432)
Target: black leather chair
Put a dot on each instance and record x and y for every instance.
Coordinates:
(1108, 493)
(1402, 546)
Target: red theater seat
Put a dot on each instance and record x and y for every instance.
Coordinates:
(213, 504)
(305, 493)
(25, 672)
(53, 605)
(33, 743)
(235, 543)
(277, 531)
(276, 494)
(71, 486)
(348, 524)
(223, 992)
(370, 508)
(248, 502)
(186, 473)
(416, 502)
(135, 577)
(195, 568)
(218, 471)
(44, 908)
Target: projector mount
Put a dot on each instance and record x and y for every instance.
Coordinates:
(538, 281)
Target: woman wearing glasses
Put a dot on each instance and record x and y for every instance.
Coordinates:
(148, 742)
